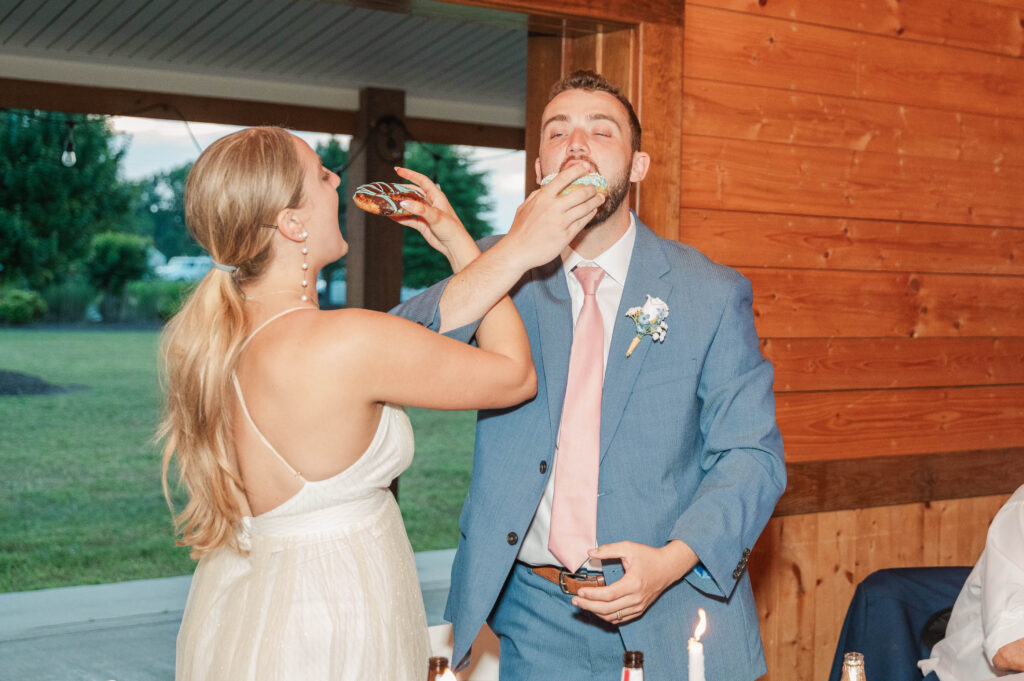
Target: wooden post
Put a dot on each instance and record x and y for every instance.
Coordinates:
(373, 275)
(374, 263)
(543, 69)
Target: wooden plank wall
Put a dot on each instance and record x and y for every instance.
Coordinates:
(863, 164)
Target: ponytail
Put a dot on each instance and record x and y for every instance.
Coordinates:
(199, 353)
(238, 184)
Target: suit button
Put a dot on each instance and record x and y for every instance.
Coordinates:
(512, 538)
(543, 467)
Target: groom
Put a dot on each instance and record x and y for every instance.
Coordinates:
(628, 494)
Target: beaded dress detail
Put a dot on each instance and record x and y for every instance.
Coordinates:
(329, 589)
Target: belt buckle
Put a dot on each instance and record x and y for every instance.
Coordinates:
(563, 574)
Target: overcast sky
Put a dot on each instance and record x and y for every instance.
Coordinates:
(158, 145)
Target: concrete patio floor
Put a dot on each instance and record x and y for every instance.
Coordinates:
(126, 631)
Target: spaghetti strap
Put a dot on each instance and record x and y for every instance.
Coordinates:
(241, 398)
(259, 433)
(274, 318)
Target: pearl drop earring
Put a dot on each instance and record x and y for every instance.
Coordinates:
(305, 266)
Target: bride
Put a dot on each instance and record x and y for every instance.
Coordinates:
(284, 424)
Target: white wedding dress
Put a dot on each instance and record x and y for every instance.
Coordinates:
(329, 589)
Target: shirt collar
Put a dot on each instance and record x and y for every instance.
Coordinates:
(614, 260)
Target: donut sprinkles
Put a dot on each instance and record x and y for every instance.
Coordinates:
(382, 198)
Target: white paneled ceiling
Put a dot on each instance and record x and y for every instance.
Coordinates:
(458, 63)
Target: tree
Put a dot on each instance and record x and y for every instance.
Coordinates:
(160, 212)
(49, 212)
(466, 190)
(115, 259)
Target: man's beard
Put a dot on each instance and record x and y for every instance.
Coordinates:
(617, 193)
(618, 190)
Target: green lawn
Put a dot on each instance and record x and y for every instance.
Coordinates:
(80, 497)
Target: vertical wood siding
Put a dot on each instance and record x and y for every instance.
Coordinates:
(863, 164)
(806, 567)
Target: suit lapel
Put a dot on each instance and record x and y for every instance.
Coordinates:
(554, 323)
(647, 266)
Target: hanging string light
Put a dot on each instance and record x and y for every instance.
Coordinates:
(68, 157)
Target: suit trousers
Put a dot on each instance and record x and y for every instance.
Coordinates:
(544, 636)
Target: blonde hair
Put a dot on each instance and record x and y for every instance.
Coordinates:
(234, 192)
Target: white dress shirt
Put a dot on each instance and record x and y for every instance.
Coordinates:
(989, 612)
(615, 263)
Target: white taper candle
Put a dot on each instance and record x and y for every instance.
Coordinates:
(696, 649)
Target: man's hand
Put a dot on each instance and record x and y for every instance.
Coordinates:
(1010, 656)
(649, 571)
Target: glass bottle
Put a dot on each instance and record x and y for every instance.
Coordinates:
(437, 667)
(633, 666)
(853, 667)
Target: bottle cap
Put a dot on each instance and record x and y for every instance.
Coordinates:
(633, 659)
(854, 659)
(438, 664)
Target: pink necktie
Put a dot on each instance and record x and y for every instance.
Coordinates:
(574, 506)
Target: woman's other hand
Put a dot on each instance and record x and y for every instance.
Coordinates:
(436, 220)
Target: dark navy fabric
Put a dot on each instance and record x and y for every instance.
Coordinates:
(887, 615)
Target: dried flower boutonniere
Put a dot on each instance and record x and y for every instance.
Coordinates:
(649, 320)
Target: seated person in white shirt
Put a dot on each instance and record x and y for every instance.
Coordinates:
(985, 635)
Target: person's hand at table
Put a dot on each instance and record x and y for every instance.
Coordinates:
(649, 571)
(1010, 656)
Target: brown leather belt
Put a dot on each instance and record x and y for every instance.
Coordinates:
(569, 582)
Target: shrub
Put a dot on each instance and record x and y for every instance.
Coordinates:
(153, 300)
(115, 259)
(18, 306)
(68, 300)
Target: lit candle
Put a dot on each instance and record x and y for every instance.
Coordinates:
(696, 648)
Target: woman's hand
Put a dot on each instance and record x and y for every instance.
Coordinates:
(547, 222)
(436, 220)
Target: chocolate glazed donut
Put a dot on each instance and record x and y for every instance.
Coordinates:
(382, 198)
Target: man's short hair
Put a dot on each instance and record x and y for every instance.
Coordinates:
(590, 81)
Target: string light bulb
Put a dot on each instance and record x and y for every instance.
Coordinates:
(69, 158)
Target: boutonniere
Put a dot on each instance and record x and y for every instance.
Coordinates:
(649, 320)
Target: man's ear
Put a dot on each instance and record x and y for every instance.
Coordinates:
(641, 164)
(536, 169)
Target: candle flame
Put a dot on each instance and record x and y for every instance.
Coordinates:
(702, 625)
(448, 675)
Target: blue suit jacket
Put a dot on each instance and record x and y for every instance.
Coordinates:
(689, 450)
